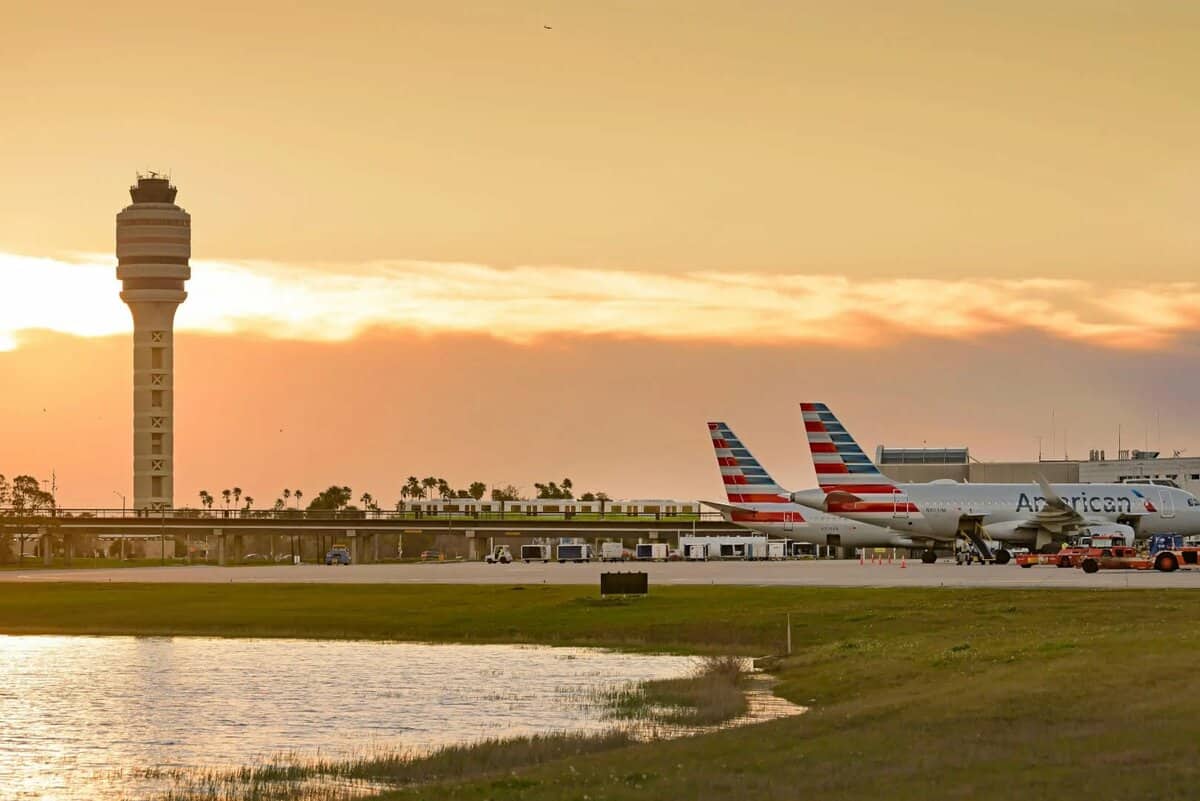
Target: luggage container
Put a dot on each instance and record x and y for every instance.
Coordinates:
(724, 546)
(612, 551)
(574, 552)
(695, 552)
(651, 552)
(798, 549)
(538, 552)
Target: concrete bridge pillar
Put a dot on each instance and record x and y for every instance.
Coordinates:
(47, 545)
(375, 546)
(352, 537)
(220, 535)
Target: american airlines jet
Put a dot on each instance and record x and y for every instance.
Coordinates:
(1037, 515)
(756, 502)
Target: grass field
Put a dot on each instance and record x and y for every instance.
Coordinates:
(914, 693)
(87, 563)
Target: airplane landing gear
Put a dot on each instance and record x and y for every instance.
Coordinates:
(929, 556)
(1003, 557)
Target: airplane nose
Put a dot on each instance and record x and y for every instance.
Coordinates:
(812, 498)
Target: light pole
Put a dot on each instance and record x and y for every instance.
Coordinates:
(122, 497)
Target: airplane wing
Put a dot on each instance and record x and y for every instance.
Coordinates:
(1058, 516)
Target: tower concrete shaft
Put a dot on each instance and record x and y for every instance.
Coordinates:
(154, 243)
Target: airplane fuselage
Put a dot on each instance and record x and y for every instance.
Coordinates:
(936, 510)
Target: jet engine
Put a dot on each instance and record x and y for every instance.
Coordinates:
(1009, 531)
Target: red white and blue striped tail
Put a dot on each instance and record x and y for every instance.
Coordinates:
(747, 483)
(851, 481)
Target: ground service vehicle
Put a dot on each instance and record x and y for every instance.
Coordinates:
(431, 555)
(1165, 542)
(1168, 553)
(1118, 557)
(535, 553)
(499, 555)
(338, 555)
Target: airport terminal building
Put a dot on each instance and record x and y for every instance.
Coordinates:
(931, 464)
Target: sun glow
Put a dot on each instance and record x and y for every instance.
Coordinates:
(522, 304)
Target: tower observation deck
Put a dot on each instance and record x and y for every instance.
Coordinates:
(154, 243)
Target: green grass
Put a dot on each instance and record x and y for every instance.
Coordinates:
(712, 694)
(914, 693)
(89, 563)
(284, 779)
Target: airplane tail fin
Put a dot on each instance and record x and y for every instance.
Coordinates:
(746, 481)
(841, 465)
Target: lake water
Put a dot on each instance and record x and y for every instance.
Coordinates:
(81, 716)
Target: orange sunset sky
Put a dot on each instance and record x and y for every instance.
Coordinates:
(440, 239)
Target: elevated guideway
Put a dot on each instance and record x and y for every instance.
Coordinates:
(362, 530)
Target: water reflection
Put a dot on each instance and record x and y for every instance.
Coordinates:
(84, 717)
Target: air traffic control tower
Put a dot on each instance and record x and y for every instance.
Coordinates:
(154, 242)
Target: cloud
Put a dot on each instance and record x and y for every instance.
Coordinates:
(525, 304)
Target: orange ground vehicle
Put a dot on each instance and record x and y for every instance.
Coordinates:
(1067, 557)
(1118, 557)
(1171, 559)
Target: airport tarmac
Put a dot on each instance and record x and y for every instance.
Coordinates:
(825, 573)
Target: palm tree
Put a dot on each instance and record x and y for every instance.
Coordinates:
(237, 495)
(287, 493)
(414, 487)
(477, 490)
(249, 501)
(297, 494)
(279, 504)
(430, 483)
(208, 501)
(225, 494)
(444, 489)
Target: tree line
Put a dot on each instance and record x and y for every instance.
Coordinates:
(339, 498)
